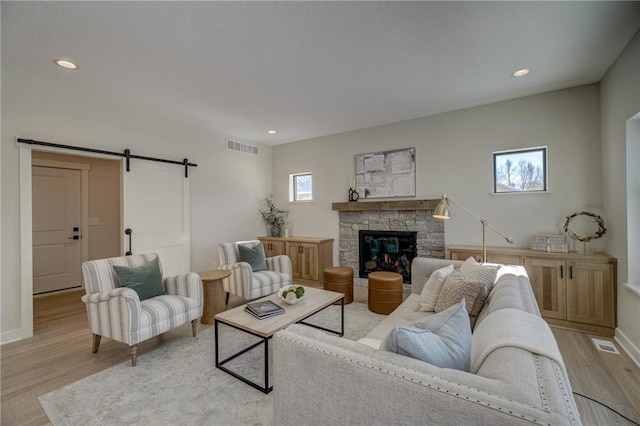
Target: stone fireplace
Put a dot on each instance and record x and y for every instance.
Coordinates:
(401, 216)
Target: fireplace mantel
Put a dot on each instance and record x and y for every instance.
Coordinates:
(356, 206)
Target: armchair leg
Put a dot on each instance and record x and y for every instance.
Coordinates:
(134, 355)
(194, 327)
(227, 301)
(96, 343)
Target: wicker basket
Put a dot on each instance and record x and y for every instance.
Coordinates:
(550, 242)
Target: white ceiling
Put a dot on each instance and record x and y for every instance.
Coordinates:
(308, 69)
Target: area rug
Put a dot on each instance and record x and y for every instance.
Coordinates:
(178, 384)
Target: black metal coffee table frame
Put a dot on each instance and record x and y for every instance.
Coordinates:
(265, 341)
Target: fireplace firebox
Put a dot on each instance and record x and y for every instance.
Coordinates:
(390, 251)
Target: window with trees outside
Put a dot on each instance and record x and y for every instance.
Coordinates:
(300, 187)
(520, 170)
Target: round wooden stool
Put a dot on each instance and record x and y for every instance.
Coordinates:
(385, 291)
(339, 279)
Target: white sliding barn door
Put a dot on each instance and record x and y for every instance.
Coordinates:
(156, 209)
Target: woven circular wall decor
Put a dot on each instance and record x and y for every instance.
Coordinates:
(586, 238)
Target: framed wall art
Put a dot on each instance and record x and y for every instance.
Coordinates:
(386, 174)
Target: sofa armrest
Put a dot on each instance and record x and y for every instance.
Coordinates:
(114, 314)
(187, 285)
(239, 282)
(280, 263)
(351, 383)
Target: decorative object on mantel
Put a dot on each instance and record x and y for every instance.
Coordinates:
(551, 243)
(581, 220)
(353, 195)
(273, 216)
(386, 174)
(386, 205)
(442, 212)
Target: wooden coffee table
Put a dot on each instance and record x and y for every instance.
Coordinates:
(313, 301)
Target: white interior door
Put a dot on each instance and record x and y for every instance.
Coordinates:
(156, 209)
(57, 216)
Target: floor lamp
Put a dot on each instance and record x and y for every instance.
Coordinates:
(442, 212)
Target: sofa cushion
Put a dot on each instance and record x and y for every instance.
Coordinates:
(146, 279)
(431, 289)
(442, 339)
(405, 315)
(456, 288)
(483, 272)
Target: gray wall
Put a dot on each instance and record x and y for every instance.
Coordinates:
(620, 100)
(225, 188)
(454, 156)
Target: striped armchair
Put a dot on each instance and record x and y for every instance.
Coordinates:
(117, 312)
(246, 283)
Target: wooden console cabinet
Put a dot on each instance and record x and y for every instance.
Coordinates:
(309, 256)
(573, 290)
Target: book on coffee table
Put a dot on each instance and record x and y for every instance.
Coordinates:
(264, 309)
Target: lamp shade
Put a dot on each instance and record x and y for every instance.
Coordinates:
(442, 210)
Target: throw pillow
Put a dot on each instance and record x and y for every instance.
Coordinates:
(478, 305)
(456, 288)
(483, 272)
(442, 339)
(146, 279)
(254, 256)
(431, 289)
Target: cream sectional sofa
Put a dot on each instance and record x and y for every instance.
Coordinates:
(320, 379)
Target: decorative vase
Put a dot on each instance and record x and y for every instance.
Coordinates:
(276, 231)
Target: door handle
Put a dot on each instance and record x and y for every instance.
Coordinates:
(570, 272)
(128, 231)
(75, 237)
(561, 271)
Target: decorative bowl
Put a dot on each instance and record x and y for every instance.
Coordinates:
(291, 294)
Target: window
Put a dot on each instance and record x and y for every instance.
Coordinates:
(520, 170)
(300, 187)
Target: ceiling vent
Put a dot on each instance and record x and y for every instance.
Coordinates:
(242, 147)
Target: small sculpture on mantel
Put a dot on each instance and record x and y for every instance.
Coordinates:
(353, 195)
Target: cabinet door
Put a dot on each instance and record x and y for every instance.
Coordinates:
(503, 259)
(464, 255)
(309, 261)
(591, 293)
(273, 248)
(547, 277)
(293, 251)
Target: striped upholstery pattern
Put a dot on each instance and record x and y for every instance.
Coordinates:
(117, 313)
(250, 285)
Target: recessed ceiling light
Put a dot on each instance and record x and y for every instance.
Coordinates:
(521, 73)
(65, 64)
(272, 132)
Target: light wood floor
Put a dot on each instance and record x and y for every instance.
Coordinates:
(60, 353)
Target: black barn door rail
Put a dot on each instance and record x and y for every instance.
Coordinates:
(126, 154)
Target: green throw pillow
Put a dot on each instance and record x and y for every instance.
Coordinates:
(254, 256)
(145, 279)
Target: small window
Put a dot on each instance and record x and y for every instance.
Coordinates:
(520, 170)
(300, 187)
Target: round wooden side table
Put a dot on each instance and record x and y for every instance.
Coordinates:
(385, 291)
(215, 299)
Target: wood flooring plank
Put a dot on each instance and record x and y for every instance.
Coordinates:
(59, 353)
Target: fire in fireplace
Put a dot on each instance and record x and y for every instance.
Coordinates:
(390, 251)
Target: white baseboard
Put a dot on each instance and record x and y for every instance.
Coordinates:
(11, 336)
(628, 346)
